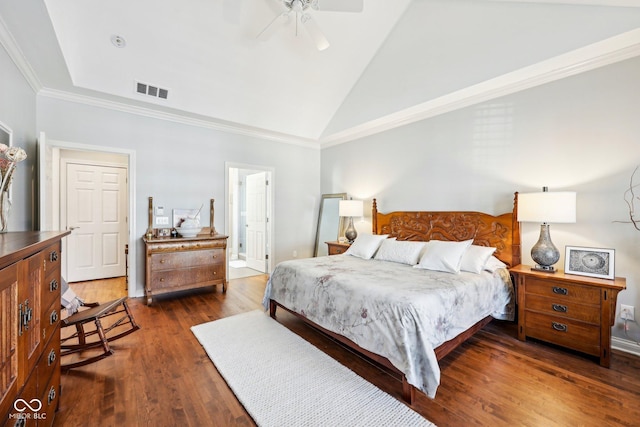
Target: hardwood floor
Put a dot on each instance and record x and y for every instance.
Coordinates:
(161, 376)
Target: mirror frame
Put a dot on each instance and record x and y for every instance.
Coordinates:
(340, 196)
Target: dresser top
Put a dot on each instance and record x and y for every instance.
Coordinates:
(619, 283)
(15, 246)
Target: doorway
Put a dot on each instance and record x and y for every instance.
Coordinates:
(53, 158)
(249, 219)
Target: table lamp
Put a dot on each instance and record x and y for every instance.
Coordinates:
(350, 208)
(546, 207)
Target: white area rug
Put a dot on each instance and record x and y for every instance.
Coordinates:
(282, 380)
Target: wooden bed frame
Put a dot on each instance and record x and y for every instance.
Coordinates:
(501, 232)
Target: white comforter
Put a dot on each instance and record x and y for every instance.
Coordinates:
(391, 309)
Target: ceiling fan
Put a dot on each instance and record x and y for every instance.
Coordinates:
(302, 16)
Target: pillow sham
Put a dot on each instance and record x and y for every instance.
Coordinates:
(401, 251)
(444, 256)
(475, 258)
(494, 264)
(365, 245)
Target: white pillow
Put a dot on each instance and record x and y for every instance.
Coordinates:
(365, 245)
(402, 251)
(493, 264)
(475, 258)
(443, 255)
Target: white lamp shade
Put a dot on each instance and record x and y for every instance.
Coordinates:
(547, 207)
(350, 208)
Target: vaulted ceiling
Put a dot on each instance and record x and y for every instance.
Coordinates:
(395, 62)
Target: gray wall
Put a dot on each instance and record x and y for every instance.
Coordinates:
(183, 166)
(18, 112)
(580, 134)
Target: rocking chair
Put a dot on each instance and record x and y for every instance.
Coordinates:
(115, 314)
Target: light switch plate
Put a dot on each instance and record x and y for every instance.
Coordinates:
(162, 220)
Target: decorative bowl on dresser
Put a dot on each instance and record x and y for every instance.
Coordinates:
(30, 327)
(572, 311)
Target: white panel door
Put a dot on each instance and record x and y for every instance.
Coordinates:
(256, 221)
(96, 211)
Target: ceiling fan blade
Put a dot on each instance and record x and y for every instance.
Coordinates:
(314, 32)
(339, 5)
(268, 31)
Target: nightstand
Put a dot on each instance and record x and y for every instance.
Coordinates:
(575, 312)
(336, 248)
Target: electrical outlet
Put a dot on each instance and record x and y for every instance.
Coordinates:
(627, 312)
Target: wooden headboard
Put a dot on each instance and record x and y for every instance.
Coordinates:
(501, 232)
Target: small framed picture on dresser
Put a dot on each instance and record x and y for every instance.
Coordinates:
(593, 262)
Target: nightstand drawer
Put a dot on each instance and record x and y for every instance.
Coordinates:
(560, 307)
(563, 290)
(565, 332)
(337, 248)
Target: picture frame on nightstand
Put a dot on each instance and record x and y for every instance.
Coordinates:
(592, 262)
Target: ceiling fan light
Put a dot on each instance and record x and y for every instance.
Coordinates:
(314, 32)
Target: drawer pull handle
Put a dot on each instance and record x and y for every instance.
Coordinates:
(559, 308)
(162, 279)
(215, 256)
(53, 285)
(161, 261)
(52, 358)
(53, 318)
(53, 256)
(559, 326)
(560, 291)
(52, 395)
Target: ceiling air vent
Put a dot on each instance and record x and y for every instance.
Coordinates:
(150, 90)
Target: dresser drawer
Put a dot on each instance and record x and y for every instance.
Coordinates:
(50, 362)
(51, 289)
(50, 321)
(194, 276)
(173, 260)
(565, 332)
(561, 307)
(562, 290)
(50, 397)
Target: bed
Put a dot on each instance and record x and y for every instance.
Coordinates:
(403, 317)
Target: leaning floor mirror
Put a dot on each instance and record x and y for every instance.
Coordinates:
(329, 222)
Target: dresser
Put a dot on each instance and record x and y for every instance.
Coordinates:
(336, 248)
(30, 321)
(572, 311)
(178, 263)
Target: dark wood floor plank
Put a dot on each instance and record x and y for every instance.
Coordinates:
(160, 375)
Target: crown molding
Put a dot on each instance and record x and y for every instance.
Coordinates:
(16, 55)
(605, 3)
(596, 55)
(178, 118)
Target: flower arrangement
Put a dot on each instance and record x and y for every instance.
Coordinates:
(9, 158)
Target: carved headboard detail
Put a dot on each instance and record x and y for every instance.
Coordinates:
(501, 232)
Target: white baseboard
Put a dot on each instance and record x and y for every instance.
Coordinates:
(627, 346)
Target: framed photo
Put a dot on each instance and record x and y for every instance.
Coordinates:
(594, 262)
(163, 232)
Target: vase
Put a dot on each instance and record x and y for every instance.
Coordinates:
(5, 208)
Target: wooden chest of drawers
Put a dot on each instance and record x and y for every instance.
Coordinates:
(174, 264)
(572, 311)
(30, 327)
